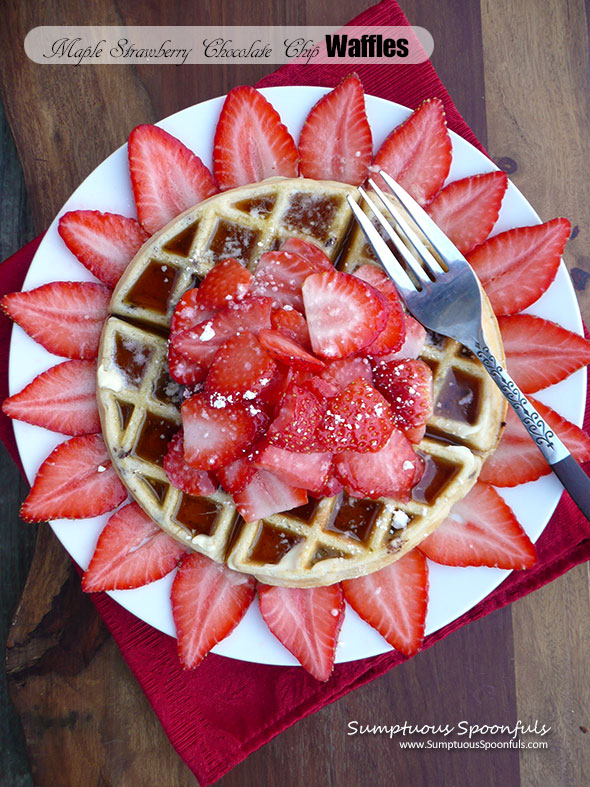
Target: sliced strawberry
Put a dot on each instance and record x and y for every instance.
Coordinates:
(236, 476)
(62, 399)
(280, 276)
(227, 281)
(517, 459)
(65, 317)
(251, 143)
(267, 494)
(105, 243)
(296, 423)
(481, 530)
(215, 436)
(305, 470)
(240, 369)
(517, 266)
(340, 373)
(344, 314)
(208, 601)
(393, 335)
(332, 486)
(467, 209)
(189, 312)
(336, 141)
(292, 324)
(418, 153)
(413, 343)
(390, 472)
(131, 551)
(540, 353)
(184, 371)
(407, 386)
(271, 396)
(394, 601)
(307, 622)
(76, 481)
(167, 177)
(286, 350)
(200, 343)
(358, 419)
(309, 250)
(182, 475)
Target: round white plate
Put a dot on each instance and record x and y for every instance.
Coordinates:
(453, 591)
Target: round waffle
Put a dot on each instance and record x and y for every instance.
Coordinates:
(325, 540)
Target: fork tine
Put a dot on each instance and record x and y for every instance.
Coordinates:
(431, 263)
(400, 278)
(436, 237)
(399, 244)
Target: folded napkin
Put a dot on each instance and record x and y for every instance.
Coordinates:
(218, 714)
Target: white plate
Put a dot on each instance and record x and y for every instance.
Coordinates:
(453, 591)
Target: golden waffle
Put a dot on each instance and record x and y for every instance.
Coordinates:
(323, 541)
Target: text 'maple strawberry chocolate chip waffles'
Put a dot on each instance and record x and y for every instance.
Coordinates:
(279, 421)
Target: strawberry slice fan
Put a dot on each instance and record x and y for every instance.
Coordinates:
(304, 412)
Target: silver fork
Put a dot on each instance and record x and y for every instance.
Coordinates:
(447, 299)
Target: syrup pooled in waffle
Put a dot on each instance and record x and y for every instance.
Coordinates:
(323, 541)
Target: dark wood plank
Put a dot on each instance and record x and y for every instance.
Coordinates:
(538, 117)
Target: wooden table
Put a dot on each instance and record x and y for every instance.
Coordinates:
(517, 71)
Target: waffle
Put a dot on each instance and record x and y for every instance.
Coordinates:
(325, 540)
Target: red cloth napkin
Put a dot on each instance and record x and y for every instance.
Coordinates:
(218, 714)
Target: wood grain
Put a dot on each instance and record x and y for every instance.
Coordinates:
(547, 139)
(84, 716)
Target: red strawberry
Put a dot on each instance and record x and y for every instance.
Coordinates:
(289, 351)
(517, 459)
(307, 622)
(240, 369)
(132, 551)
(236, 476)
(394, 601)
(336, 141)
(407, 386)
(292, 324)
(305, 470)
(76, 481)
(393, 335)
(338, 374)
(189, 312)
(517, 266)
(200, 343)
(214, 437)
(358, 419)
(344, 314)
(481, 530)
(418, 153)
(540, 353)
(105, 243)
(65, 317)
(296, 423)
(251, 143)
(280, 276)
(271, 396)
(413, 343)
(467, 209)
(184, 371)
(226, 281)
(62, 399)
(182, 475)
(208, 601)
(311, 252)
(267, 494)
(331, 487)
(390, 472)
(167, 177)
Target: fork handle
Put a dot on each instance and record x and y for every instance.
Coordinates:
(563, 464)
